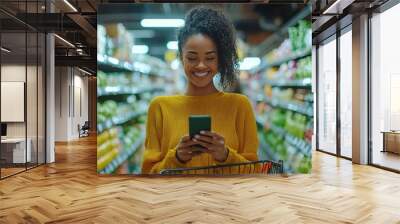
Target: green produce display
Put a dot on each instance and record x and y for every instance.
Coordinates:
(284, 101)
(304, 68)
(300, 36)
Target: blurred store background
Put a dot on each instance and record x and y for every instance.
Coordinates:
(52, 46)
(137, 60)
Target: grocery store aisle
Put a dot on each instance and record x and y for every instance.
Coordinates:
(70, 191)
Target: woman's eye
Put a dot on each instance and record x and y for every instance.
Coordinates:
(191, 59)
(210, 59)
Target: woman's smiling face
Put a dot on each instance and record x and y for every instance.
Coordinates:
(200, 60)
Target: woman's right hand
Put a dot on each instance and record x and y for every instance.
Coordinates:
(185, 151)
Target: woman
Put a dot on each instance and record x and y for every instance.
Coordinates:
(206, 47)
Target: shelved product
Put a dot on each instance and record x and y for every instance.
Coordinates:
(282, 60)
(296, 47)
(127, 83)
(108, 147)
(128, 151)
(279, 145)
(280, 88)
(290, 105)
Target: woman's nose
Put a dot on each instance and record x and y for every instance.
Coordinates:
(201, 65)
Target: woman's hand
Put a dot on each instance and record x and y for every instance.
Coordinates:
(185, 150)
(214, 144)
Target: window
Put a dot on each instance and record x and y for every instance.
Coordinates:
(327, 96)
(385, 88)
(346, 94)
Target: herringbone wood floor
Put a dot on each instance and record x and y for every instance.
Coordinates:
(70, 191)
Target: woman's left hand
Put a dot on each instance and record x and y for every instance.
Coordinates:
(214, 144)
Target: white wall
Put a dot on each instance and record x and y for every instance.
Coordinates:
(13, 73)
(34, 125)
(80, 115)
(71, 93)
(61, 103)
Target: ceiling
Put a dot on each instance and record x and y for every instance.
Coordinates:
(254, 22)
(328, 16)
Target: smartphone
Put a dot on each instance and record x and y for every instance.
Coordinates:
(199, 123)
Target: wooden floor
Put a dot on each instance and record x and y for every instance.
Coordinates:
(10, 171)
(5, 172)
(70, 191)
(387, 159)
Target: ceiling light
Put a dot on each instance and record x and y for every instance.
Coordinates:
(172, 45)
(65, 41)
(5, 49)
(140, 49)
(70, 5)
(162, 22)
(249, 63)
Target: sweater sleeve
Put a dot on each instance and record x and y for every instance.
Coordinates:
(155, 158)
(246, 130)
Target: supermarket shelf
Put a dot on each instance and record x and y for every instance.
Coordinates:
(288, 164)
(111, 64)
(264, 146)
(301, 145)
(123, 156)
(278, 130)
(113, 91)
(115, 121)
(296, 107)
(299, 83)
(265, 65)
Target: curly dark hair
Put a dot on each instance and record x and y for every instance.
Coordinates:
(214, 24)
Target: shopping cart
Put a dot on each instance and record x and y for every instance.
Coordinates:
(255, 167)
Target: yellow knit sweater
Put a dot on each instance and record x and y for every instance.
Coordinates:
(231, 116)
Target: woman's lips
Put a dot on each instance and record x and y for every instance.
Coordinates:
(200, 74)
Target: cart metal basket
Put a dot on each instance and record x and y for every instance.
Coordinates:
(256, 167)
